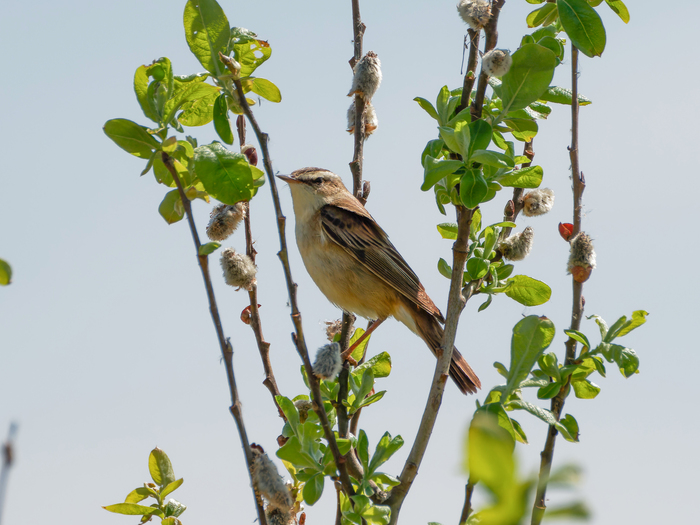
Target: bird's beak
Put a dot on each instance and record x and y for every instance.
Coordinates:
(288, 179)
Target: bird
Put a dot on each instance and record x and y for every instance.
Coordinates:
(355, 265)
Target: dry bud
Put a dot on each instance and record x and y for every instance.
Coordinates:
(277, 516)
(538, 202)
(333, 328)
(496, 62)
(328, 363)
(476, 13)
(367, 76)
(224, 220)
(518, 246)
(251, 153)
(268, 483)
(239, 269)
(371, 121)
(581, 257)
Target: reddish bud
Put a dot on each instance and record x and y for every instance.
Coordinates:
(581, 274)
(246, 314)
(250, 152)
(566, 230)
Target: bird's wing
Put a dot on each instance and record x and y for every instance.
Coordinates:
(352, 228)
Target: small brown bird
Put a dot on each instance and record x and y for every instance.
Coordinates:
(352, 261)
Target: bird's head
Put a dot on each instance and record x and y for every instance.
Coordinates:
(313, 188)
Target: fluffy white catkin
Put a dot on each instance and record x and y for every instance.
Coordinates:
(475, 13)
(581, 253)
(328, 363)
(538, 202)
(224, 220)
(518, 246)
(367, 76)
(371, 121)
(268, 483)
(496, 62)
(239, 269)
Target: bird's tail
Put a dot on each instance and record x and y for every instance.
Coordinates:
(431, 332)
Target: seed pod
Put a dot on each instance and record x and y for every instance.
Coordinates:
(475, 13)
(268, 483)
(367, 76)
(371, 121)
(333, 328)
(538, 202)
(518, 246)
(581, 257)
(276, 516)
(496, 62)
(328, 363)
(239, 269)
(224, 220)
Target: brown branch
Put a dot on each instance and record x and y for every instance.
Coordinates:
(491, 31)
(470, 76)
(255, 319)
(224, 344)
(283, 254)
(359, 134)
(455, 305)
(467, 509)
(557, 405)
(7, 462)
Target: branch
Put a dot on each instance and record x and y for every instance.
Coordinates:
(470, 76)
(356, 164)
(491, 31)
(467, 509)
(224, 344)
(577, 307)
(454, 309)
(283, 254)
(7, 461)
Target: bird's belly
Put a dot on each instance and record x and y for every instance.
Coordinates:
(346, 284)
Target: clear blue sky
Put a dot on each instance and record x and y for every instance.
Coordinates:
(106, 344)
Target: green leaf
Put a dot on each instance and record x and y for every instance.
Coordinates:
(638, 319)
(577, 510)
(313, 488)
(140, 494)
(160, 70)
(538, 16)
(620, 9)
(363, 449)
(560, 95)
(380, 365)
(250, 52)
(227, 176)
(209, 248)
(198, 112)
(427, 106)
(160, 468)
(222, 124)
(626, 359)
(483, 306)
(501, 369)
(171, 208)
(171, 487)
(292, 451)
(472, 188)
(585, 389)
(549, 391)
(549, 365)
(457, 139)
(266, 90)
(207, 32)
(528, 291)
(436, 170)
(385, 449)
(545, 415)
(578, 336)
(291, 413)
(432, 148)
(5, 273)
(444, 268)
(360, 349)
(132, 509)
(528, 78)
(490, 454)
(531, 336)
(504, 421)
(447, 230)
(583, 25)
(443, 105)
(480, 132)
(186, 92)
(477, 267)
(571, 425)
(492, 158)
(131, 137)
(522, 129)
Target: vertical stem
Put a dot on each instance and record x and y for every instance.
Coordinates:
(7, 461)
(224, 344)
(577, 307)
(470, 76)
(491, 31)
(356, 164)
(467, 509)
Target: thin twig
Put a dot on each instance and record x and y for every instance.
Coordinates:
(255, 319)
(577, 307)
(470, 76)
(283, 254)
(467, 509)
(455, 305)
(8, 454)
(491, 31)
(356, 164)
(224, 344)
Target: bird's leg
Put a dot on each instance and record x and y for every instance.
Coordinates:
(346, 355)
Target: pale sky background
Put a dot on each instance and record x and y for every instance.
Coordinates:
(106, 344)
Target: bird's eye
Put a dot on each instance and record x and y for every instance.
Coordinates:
(318, 180)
